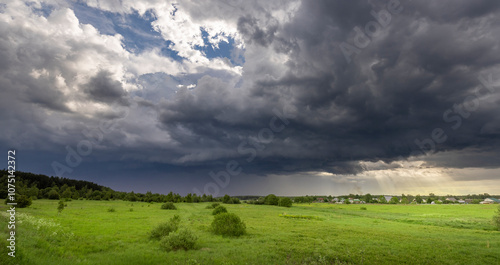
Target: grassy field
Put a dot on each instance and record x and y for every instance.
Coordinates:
(87, 233)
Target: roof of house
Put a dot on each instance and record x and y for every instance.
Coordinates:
(493, 199)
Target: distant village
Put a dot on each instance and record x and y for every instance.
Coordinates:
(403, 199)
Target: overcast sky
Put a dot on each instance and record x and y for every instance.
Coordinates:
(255, 97)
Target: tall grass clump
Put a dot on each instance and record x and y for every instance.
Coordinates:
(496, 219)
(219, 210)
(228, 224)
(164, 229)
(182, 239)
(168, 206)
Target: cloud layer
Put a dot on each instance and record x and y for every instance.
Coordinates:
(307, 86)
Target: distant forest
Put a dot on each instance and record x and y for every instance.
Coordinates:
(37, 186)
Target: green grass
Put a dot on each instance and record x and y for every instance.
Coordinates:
(86, 233)
(309, 217)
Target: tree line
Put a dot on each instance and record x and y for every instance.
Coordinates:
(31, 186)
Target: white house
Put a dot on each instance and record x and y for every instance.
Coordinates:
(490, 201)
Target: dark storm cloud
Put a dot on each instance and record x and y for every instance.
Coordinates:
(248, 27)
(419, 73)
(383, 105)
(103, 88)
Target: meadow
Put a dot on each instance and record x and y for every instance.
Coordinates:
(89, 232)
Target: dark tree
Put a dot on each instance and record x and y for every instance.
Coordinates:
(271, 199)
(285, 202)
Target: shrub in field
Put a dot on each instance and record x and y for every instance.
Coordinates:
(111, 209)
(285, 202)
(394, 200)
(22, 201)
(60, 206)
(260, 200)
(228, 224)
(219, 209)
(496, 219)
(168, 206)
(271, 199)
(182, 239)
(213, 205)
(226, 199)
(53, 195)
(166, 228)
(362, 208)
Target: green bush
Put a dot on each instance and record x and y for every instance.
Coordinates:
(226, 199)
(53, 195)
(260, 200)
(213, 205)
(219, 209)
(60, 206)
(22, 201)
(271, 199)
(168, 206)
(228, 224)
(166, 228)
(111, 209)
(182, 239)
(362, 208)
(285, 202)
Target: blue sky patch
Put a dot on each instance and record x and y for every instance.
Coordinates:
(224, 51)
(138, 34)
(44, 10)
